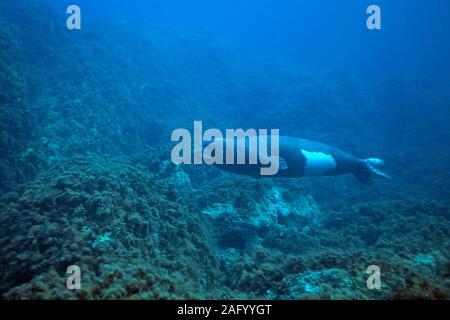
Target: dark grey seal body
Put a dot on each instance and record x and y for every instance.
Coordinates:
(301, 157)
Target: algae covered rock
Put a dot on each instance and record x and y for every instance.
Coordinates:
(238, 225)
(95, 213)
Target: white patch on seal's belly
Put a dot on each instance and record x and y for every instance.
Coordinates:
(318, 163)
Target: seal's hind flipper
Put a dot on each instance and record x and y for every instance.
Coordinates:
(375, 165)
(370, 166)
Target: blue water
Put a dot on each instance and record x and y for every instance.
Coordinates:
(313, 34)
(87, 178)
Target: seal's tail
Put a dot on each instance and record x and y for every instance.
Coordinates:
(369, 167)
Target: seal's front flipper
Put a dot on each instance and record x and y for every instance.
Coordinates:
(368, 167)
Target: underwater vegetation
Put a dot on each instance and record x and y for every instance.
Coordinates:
(86, 177)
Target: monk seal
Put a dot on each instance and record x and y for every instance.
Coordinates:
(305, 158)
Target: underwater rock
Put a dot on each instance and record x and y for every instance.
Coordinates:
(240, 227)
(147, 228)
(320, 284)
